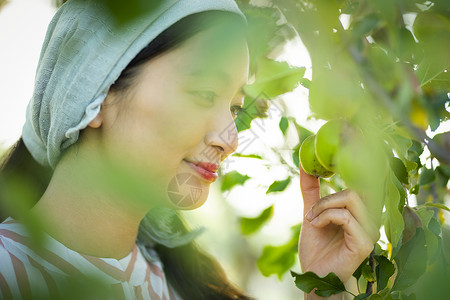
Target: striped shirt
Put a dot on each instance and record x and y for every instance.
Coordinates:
(55, 270)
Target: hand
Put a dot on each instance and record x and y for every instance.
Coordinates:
(337, 233)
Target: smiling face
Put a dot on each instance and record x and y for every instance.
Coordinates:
(175, 124)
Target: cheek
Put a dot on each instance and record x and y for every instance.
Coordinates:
(170, 128)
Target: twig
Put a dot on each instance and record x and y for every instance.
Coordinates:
(371, 264)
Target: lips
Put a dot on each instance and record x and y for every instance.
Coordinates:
(205, 169)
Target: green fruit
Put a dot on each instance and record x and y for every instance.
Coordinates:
(309, 161)
(327, 142)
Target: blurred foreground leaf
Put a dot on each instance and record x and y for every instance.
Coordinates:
(251, 225)
(279, 259)
(279, 185)
(232, 179)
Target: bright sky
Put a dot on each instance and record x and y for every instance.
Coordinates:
(22, 29)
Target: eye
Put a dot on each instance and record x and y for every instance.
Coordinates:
(207, 95)
(235, 109)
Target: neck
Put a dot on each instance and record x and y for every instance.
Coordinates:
(85, 217)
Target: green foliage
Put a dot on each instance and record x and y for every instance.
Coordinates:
(325, 286)
(437, 205)
(251, 225)
(278, 185)
(385, 73)
(393, 223)
(279, 259)
(231, 179)
(384, 270)
(284, 124)
(124, 11)
(273, 79)
(410, 262)
(247, 155)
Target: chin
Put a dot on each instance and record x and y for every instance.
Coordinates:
(186, 191)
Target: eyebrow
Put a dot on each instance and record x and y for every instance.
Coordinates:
(219, 74)
(216, 73)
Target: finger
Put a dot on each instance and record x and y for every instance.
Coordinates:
(355, 235)
(310, 188)
(351, 201)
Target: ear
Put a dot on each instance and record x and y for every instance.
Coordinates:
(97, 122)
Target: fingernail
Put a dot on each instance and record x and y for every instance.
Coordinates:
(309, 215)
(314, 221)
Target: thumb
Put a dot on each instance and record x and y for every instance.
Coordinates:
(309, 186)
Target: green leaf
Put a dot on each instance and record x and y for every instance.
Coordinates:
(284, 123)
(427, 176)
(132, 10)
(415, 189)
(408, 297)
(444, 169)
(411, 261)
(437, 205)
(432, 231)
(251, 225)
(279, 185)
(399, 169)
(425, 215)
(358, 272)
(251, 109)
(279, 259)
(232, 179)
(442, 176)
(361, 297)
(435, 226)
(247, 155)
(384, 270)
(393, 218)
(433, 245)
(368, 273)
(375, 297)
(274, 78)
(295, 155)
(401, 190)
(412, 221)
(430, 70)
(401, 142)
(350, 7)
(365, 25)
(302, 132)
(325, 286)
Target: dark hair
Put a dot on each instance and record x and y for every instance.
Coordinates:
(191, 271)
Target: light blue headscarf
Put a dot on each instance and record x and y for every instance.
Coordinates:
(84, 52)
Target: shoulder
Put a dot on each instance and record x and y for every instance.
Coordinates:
(22, 274)
(13, 271)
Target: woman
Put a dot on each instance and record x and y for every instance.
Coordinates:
(124, 114)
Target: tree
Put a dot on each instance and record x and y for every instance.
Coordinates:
(380, 68)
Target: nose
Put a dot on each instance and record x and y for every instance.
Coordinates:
(224, 137)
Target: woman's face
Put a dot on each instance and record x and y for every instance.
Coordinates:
(175, 125)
